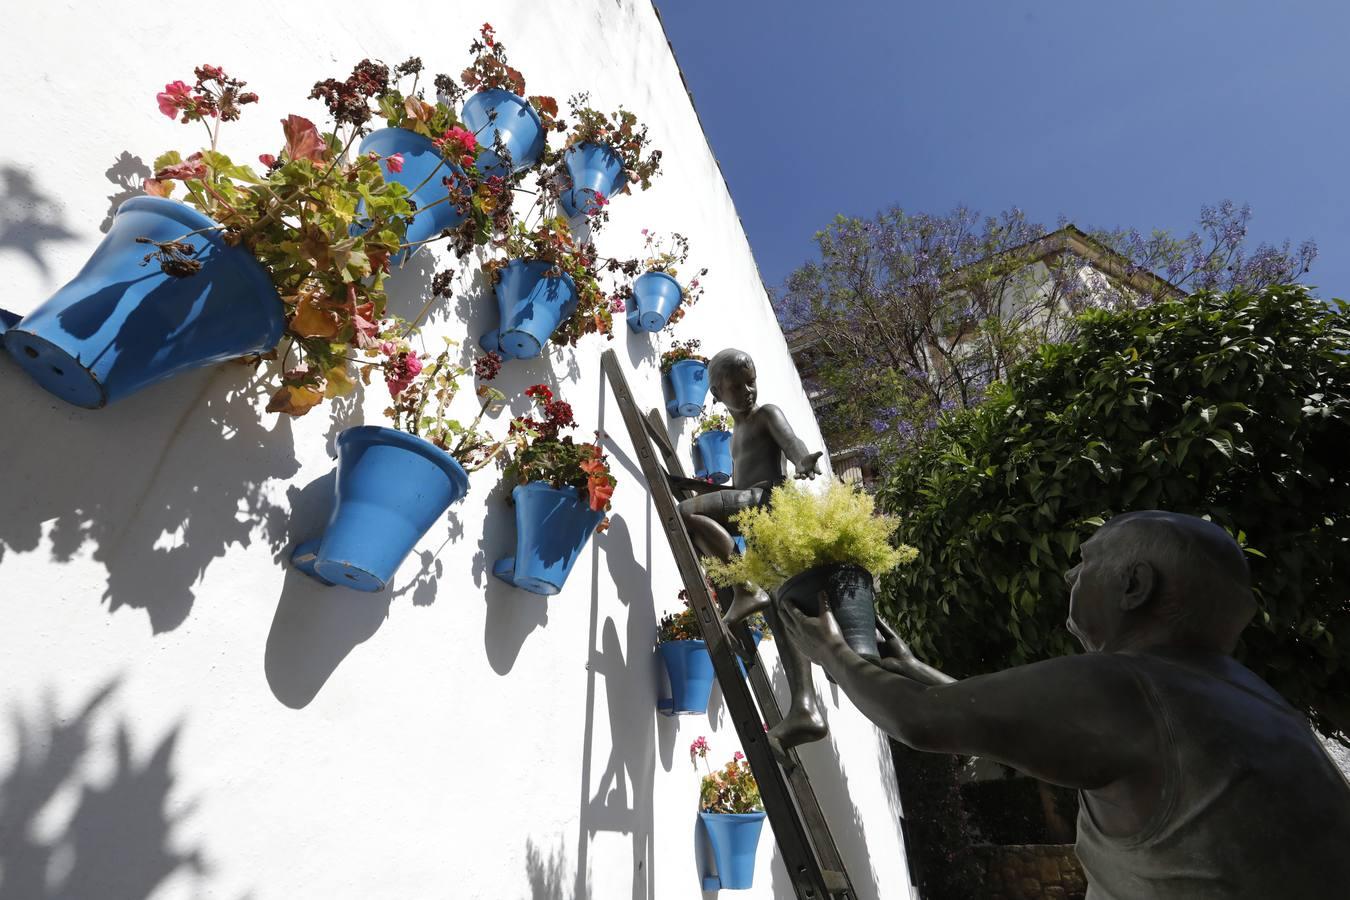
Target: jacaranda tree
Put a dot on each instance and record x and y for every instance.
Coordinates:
(1233, 405)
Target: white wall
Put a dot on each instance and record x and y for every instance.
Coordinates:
(188, 717)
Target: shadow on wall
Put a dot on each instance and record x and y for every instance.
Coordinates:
(622, 800)
(29, 220)
(127, 174)
(548, 875)
(155, 489)
(119, 841)
(825, 767)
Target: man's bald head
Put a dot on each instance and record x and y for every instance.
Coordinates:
(1202, 584)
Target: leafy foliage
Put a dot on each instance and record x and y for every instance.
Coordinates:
(683, 626)
(422, 407)
(1234, 406)
(800, 530)
(542, 453)
(731, 789)
(713, 421)
(680, 351)
(622, 133)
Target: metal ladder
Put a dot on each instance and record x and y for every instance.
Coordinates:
(808, 849)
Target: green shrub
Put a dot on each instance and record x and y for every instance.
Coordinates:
(800, 530)
(1233, 406)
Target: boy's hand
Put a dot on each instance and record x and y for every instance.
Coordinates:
(809, 467)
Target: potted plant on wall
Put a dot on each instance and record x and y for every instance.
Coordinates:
(562, 491)
(688, 665)
(604, 156)
(247, 259)
(657, 298)
(425, 149)
(511, 130)
(732, 814)
(803, 545)
(394, 483)
(547, 286)
(685, 373)
(712, 447)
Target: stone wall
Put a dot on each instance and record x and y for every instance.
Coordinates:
(1032, 872)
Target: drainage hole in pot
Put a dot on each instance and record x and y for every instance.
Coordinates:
(32, 354)
(58, 370)
(350, 575)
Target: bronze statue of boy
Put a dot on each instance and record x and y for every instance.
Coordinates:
(760, 441)
(1195, 778)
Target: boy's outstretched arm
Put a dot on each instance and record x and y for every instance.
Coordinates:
(806, 463)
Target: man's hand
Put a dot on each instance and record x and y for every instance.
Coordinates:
(818, 637)
(808, 466)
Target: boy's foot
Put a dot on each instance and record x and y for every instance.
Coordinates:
(799, 726)
(745, 602)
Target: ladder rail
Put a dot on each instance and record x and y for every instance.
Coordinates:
(803, 837)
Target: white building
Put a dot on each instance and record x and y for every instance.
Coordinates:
(189, 717)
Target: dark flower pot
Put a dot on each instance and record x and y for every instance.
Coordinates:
(851, 597)
(122, 324)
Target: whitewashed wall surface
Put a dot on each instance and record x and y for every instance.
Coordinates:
(187, 716)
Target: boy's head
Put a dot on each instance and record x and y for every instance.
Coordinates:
(731, 376)
(1162, 576)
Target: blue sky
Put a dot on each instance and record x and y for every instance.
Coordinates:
(1112, 114)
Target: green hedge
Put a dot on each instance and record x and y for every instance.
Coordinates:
(1232, 406)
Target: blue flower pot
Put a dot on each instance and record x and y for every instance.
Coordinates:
(596, 170)
(691, 677)
(499, 113)
(552, 527)
(735, 838)
(423, 171)
(656, 296)
(687, 387)
(714, 456)
(121, 324)
(391, 488)
(531, 306)
(8, 320)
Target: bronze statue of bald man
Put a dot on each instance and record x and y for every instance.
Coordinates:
(1195, 778)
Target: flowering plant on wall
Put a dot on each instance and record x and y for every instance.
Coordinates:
(713, 421)
(731, 789)
(552, 241)
(422, 394)
(619, 131)
(490, 70)
(680, 351)
(299, 219)
(541, 453)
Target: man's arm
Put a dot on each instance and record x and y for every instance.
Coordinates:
(806, 463)
(1078, 721)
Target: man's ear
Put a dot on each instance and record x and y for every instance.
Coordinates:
(1138, 588)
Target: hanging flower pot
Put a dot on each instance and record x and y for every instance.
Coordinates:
(656, 295)
(499, 114)
(687, 386)
(122, 324)
(714, 456)
(8, 320)
(552, 527)
(597, 175)
(851, 597)
(531, 304)
(691, 677)
(391, 487)
(734, 838)
(422, 174)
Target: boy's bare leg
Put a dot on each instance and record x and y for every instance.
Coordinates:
(803, 722)
(702, 516)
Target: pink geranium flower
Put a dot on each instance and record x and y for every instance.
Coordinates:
(394, 162)
(267, 159)
(175, 96)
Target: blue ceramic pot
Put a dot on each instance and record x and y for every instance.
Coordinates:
(656, 296)
(687, 387)
(121, 324)
(8, 320)
(423, 171)
(531, 306)
(552, 527)
(691, 677)
(596, 170)
(391, 488)
(735, 838)
(498, 113)
(714, 456)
